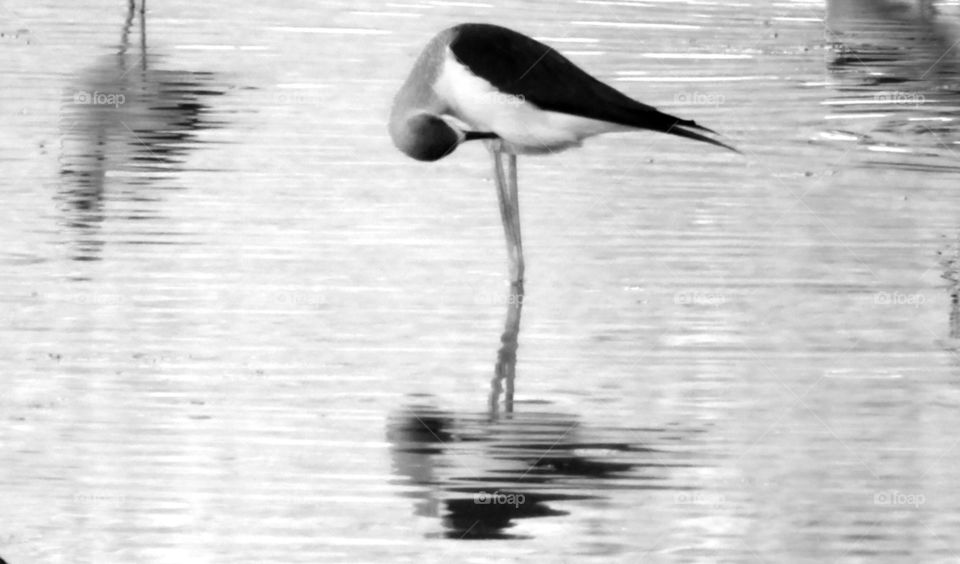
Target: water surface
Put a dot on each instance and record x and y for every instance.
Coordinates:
(240, 326)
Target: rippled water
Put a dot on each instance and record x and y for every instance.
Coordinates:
(241, 327)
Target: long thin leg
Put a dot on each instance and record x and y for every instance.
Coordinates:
(515, 202)
(509, 209)
(505, 369)
(143, 35)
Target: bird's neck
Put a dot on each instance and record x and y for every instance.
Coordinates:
(417, 94)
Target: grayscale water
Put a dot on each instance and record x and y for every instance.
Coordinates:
(239, 326)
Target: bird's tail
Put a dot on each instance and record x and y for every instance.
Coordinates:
(683, 127)
(635, 114)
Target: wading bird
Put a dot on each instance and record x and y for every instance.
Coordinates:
(480, 81)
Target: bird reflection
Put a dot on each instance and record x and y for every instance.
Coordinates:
(950, 263)
(899, 63)
(505, 372)
(479, 472)
(898, 66)
(889, 42)
(126, 127)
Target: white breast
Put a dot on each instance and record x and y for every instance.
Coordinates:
(523, 126)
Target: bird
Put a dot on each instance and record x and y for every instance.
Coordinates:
(479, 81)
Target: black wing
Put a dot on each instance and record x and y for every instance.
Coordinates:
(522, 66)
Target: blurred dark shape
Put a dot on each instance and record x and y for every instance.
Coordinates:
(950, 262)
(479, 472)
(509, 469)
(888, 44)
(505, 370)
(900, 60)
(125, 126)
(472, 519)
(898, 10)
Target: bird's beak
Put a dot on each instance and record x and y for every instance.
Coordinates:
(464, 131)
(475, 135)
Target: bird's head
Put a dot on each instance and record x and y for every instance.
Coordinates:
(425, 136)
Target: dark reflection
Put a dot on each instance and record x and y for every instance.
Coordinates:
(505, 371)
(950, 263)
(905, 33)
(126, 128)
(880, 42)
(897, 65)
(479, 472)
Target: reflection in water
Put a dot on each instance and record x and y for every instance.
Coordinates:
(505, 371)
(898, 67)
(898, 63)
(950, 262)
(125, 126)
(480, 472)
(232, 403)
(887, 42)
